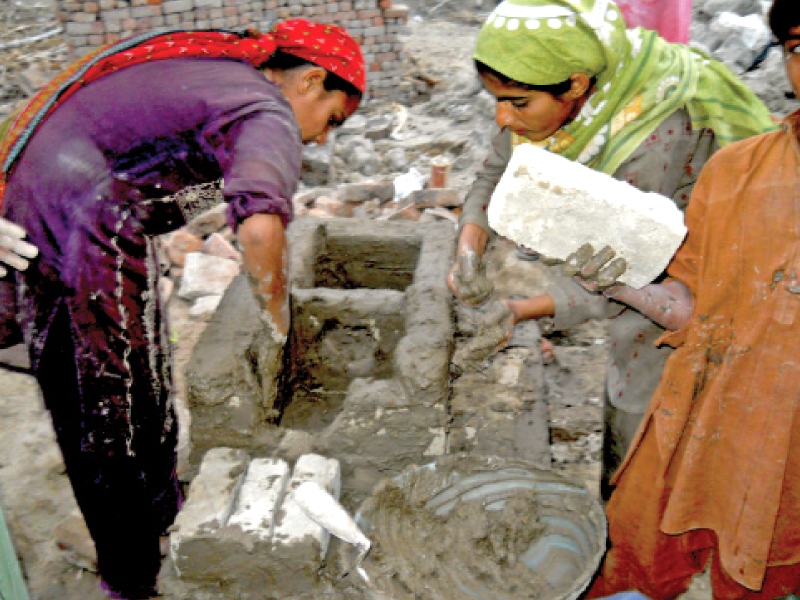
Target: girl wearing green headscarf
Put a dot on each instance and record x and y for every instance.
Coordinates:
(568, 76)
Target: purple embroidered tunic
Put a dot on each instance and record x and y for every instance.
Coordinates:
(92, 189)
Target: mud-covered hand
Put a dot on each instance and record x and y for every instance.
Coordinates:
(14, 251)
(595, 272)
(468, 279)
(494, 326)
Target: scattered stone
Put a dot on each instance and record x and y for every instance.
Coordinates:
(206, 275)
(440, 213)
(409, 213)
(334, 207)
(355, 124)
(437, 198)
(368, 190)
(180, 243)
(217, 245)
(396, 160)
(32, 79)
(379, 127)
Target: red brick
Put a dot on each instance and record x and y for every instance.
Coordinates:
(384, 4)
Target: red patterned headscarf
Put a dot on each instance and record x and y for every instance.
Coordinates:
(327, 46)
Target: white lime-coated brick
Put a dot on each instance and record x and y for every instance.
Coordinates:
(263, 490)
(554, 205)
(240, 525)
(210, 502)
(294, 530)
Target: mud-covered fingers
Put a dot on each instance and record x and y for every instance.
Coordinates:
(575, 261)
(609, 274)
(470, 283)
(593, 266)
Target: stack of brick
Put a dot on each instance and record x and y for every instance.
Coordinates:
(242, 531)
(375, 24)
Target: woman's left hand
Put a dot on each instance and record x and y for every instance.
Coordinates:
(14, 251)
(595, 272)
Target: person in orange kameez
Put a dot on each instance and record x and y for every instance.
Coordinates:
(713, 477)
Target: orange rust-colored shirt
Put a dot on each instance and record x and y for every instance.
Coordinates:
(725, 414)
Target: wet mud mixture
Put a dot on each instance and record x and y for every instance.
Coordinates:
(418, 553)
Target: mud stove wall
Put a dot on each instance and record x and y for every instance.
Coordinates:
(365, 376)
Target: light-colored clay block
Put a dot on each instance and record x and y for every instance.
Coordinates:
(554, 205)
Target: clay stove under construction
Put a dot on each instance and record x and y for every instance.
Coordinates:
(365, 378)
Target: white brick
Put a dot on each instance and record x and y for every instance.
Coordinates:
(294, 528)
(205, 275)
(209, 504)
(554, 205)
(264, 487)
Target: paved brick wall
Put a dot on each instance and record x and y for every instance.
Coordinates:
(375, 24)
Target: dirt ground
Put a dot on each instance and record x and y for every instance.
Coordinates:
(35, 493)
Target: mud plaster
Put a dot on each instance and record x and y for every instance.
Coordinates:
(430, 543)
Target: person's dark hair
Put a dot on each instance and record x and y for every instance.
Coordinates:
(783, 16)
(283, 61)
(555, 89)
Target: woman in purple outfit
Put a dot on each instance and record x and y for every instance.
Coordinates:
(94, 180)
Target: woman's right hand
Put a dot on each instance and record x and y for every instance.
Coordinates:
(467, 278)
(14, 251)
(468, 281)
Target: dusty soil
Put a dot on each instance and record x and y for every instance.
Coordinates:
(35, 493)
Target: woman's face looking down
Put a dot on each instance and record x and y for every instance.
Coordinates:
(534, 114)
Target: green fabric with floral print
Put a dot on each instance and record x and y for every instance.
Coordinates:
(641, 79)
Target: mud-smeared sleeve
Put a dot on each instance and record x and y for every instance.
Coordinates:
(687, 262)
(574, 304)
(257, 142)
(477, 201)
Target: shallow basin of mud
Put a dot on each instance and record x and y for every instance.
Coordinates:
(479, 527)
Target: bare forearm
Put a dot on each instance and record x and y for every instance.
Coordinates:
(535, 307)
(264, 255)
(668, 304)
(472, 239)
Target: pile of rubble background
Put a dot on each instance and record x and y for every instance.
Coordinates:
(369, 169)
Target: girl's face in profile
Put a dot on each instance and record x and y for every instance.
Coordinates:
(533, 114)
